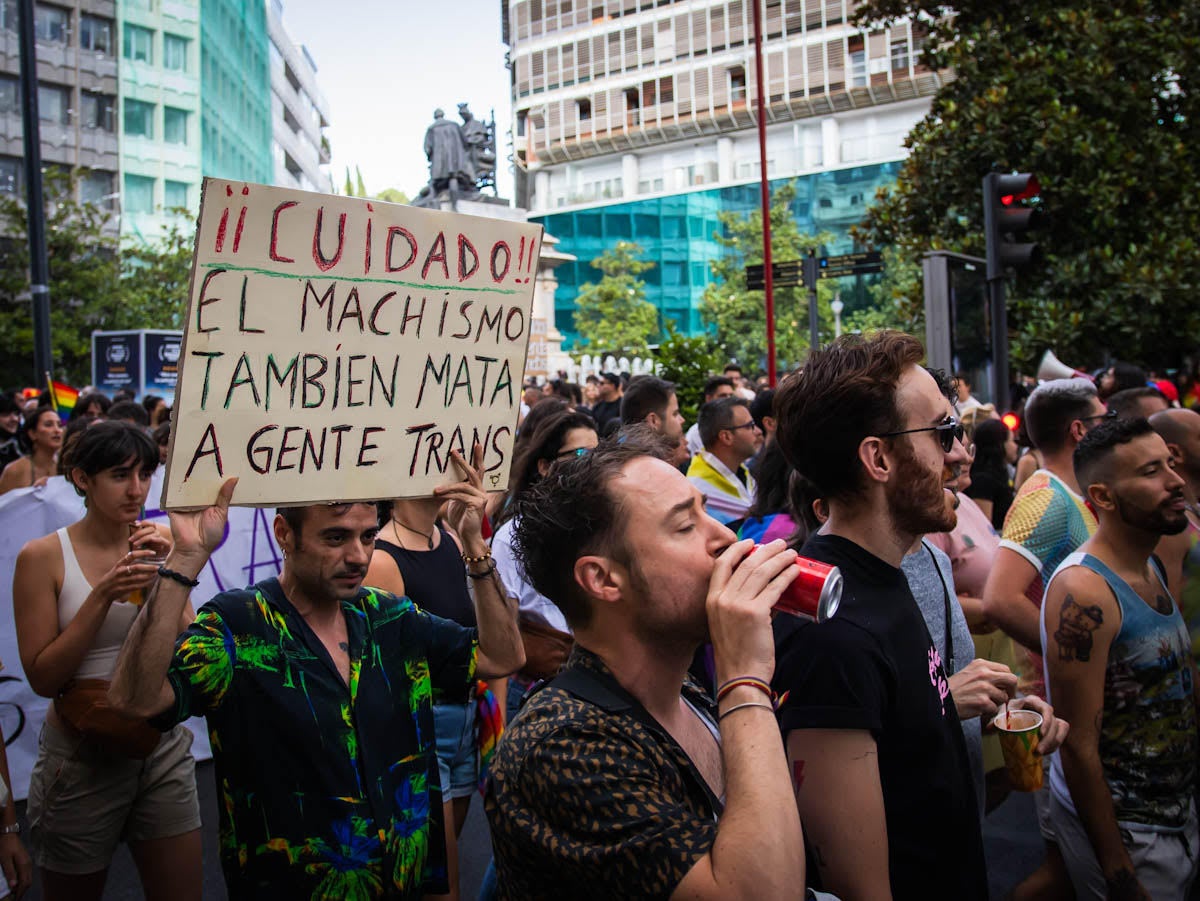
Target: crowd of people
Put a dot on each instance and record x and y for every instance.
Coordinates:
(591, 648)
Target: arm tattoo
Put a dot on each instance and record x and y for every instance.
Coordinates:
(1076, 623)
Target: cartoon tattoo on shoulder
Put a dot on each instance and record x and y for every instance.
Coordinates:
(1076, 624)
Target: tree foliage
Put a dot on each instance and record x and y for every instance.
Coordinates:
(739, 315)
(688, 362)
(1099, 100)
(613, 315)
(95, 282)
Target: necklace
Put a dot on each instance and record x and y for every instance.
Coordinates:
(427, 536)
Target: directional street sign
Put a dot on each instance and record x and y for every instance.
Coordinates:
(791, 273)
(848, 264)
(785, 275)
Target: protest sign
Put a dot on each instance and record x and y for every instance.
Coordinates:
(338, 349)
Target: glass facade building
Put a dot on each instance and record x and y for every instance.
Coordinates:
(676, 233)
(235, 102)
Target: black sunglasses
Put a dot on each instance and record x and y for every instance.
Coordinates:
(948, 432)
(1103, 417)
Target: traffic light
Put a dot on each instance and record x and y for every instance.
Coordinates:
(1009, 211)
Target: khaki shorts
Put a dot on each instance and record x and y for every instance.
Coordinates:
(83, 800)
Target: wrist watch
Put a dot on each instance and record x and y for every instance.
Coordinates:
(14, 829)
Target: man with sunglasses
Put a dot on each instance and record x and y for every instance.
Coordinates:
(1048, 521)
(877, 755)
(730, 438)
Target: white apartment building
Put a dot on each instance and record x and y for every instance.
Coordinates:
(299, 111)
(628, 98)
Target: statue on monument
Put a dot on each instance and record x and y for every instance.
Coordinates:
(462, 158)
(480, 139)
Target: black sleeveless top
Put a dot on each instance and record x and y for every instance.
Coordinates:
(436, 580)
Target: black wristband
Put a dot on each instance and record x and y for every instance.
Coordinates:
(177, 577)
(483, 575)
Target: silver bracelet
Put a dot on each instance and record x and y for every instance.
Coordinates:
(738, 707)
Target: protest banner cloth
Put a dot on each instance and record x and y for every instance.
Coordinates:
(337, 348)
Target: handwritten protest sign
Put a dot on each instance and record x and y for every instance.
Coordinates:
(338, 348)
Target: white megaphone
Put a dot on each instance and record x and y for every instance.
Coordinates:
(1052, 367)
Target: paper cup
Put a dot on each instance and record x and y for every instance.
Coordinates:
(1019, 740)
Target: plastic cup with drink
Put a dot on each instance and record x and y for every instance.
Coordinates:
(1020, 733)
(138, 596)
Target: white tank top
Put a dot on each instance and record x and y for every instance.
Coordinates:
(101, 659)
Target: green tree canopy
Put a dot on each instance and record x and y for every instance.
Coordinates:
(613, 315)
(687, 362)
(1099, 101)
(739, 315)
(96, 283)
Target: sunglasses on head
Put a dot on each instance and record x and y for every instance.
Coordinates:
(578, 452)
(948, 432)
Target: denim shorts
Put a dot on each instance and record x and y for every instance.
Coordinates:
(458, 758)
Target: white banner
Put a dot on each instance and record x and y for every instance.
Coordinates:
(247, 554)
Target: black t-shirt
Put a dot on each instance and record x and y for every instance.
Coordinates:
(874, 667)
(10, 448)
(990, 486)
(606, 411)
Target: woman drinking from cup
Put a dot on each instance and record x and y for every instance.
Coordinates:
(101, 778)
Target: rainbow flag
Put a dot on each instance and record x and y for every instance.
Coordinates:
(489, 726)
(63, 397)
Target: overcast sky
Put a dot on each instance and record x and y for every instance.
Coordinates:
(384, 65)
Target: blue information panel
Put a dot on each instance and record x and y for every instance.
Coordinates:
(160, 367)
(117, 361)
(144, 361)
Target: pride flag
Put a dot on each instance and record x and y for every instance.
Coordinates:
(63, 397)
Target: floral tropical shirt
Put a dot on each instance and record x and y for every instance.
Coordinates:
(328, 789)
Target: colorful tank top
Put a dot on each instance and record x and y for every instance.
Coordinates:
(1148, 741)
(1189, 597)
(1046, 522)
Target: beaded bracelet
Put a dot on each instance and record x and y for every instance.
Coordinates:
(737, 707)
(486, 555)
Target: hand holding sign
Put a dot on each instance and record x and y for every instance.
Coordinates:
(467, 500)
(197, 534)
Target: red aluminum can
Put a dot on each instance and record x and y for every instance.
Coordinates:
(815, 593)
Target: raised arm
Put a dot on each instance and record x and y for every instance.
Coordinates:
(500, 649)
(759, 847)
(139, 686)
(1082, 618)
(1004, 600)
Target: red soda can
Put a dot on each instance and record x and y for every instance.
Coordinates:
(815, 593)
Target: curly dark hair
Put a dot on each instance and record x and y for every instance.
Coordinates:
(573, 512)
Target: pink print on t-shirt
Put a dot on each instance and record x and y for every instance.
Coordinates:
(936, 678)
